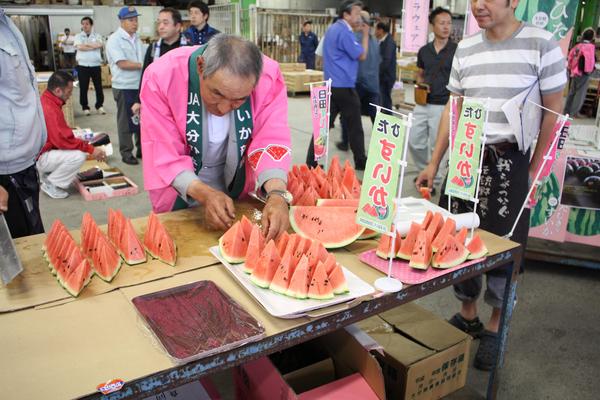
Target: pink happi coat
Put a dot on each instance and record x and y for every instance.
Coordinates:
(164, 97)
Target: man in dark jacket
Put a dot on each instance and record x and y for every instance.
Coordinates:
(308, 44)
(387, 68)
(199, 32)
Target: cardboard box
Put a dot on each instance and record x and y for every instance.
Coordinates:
(202, 389)
(106, 77)
(292, 67)
(424, 358)
(102, 189)
(335, 366)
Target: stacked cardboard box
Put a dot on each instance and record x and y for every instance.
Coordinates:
(106, 77)
(297, 81)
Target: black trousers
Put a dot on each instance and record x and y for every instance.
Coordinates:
(346, 100)
(85, 74)
(385, 91)
(23, 215)
(125, 98)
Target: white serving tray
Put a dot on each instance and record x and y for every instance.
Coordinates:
(281, 306)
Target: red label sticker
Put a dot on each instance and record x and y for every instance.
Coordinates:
(111, 386)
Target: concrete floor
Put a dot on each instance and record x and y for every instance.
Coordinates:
(554, 341)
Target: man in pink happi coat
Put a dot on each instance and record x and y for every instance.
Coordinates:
(214, 127)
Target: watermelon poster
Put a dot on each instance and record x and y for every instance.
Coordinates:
(557, 17)
(465, 154)
(380, 181)
(319, 100)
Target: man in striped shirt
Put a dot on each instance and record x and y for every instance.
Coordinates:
(505, 59)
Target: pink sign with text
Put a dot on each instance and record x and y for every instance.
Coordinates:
(414, 25)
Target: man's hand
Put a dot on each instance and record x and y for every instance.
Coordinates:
(219, 211)
(275, 217)
(99, 154)
(3, 200)
(135, 108)
(425, 178)
(365, 29)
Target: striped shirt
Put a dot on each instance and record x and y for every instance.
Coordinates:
(501, 70)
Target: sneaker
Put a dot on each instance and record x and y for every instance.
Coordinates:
(101, 110)
(53, 191)
(473, 327)
(130, 159)
(487, 352)
(342, 146)
(87, 113)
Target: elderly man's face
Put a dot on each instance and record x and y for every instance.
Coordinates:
(223, 91)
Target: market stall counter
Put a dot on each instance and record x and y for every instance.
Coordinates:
(59, 347)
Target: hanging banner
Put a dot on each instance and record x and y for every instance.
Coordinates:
(414, 25)
(465, 155)
(453, 119)
(319, 100)
(557, 17)
(380, 181)
(471, 25)
(562, 125)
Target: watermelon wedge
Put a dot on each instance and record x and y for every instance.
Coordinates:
(408, 242)
(449, 228)
(255, 248)
(435, 225)
(79, 277)
(427, 220)
(158, 242)
(298, 287)
(337, 279)
(319, 287)
(233, 245)
(265, 269)
(123, 236)
(385, 244)
(333, 226)
(246, 227)
(451, 254)
(330, 263)
(283, 275)
(461, 236)
(421, 254)
(106, 262)
(281, 242)
(476, 248)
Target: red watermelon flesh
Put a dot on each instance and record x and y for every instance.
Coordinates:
(427, 220)
(233, 245)
(451, 254)
(50, 236)
(105, 260)
(350, 182)
(449, 228)
(461, 236)
(313, 254)
(159, 243)
(421, 254)
(385, 244)
(330, 263)
(265, 269)
(255, 248)
(308, 198)
(79, 277)
(298, 287)
(319, 287)
(333, 226)
(408, 243)
(131, 248)
(282, 242)
(435, 225)
(337, 202)
(246, 227)
(324, 190)
(337, 279)
(283, 275)
(476, 248)
(334, 172)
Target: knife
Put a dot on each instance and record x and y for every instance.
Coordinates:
(10, 264)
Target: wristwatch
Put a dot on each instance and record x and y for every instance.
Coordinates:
(284, 194)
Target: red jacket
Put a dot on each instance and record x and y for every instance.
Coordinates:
(60, 135)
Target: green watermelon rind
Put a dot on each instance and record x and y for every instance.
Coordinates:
(542, 211)
(584, 222)
(229, 259)
(260, 282)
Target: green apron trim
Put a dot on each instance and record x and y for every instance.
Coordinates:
(243, 129)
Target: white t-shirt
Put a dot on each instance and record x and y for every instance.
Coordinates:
(213, 162)
(68, 44)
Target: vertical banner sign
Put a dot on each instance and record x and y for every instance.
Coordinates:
(414, 25)
(557, 17)
(319, 99)
(453, 119)
(552, 151)
(380, 181)
(464, 158)
(471, 25)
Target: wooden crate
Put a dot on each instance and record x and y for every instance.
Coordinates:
(106, 77)
(296, 82)
(292, 67)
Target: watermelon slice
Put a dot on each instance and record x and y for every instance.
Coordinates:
(320, 288)
(105, 259)
(265, 269)
(427, 220)
(368, 233)
(330, 263)
(233, 245)
(350, 182)
(123, 236)
(421, 254)
(281, 242)
(451, 254)
(298, 287)
(461, 236)
(476, 248)
(255, 248)
(337, 279)
(333, 226)
(308, 198)
(79, 277)
(435, 225)
(334, 173)
(246, 227)
(408, 243)
(385, 244)
(254, 158)
(277, 152)
(283, 275)
(425, 192)
(159, 243)
(449, 228)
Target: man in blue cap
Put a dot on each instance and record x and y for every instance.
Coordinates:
(125, 54)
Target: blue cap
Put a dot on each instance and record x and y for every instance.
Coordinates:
(128, 12)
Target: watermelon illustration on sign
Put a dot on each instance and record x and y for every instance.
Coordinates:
(468, 181)
(319, 147)
(277, 152)
(369, 209)
(254, 158)
(382, 212)
(457, 181)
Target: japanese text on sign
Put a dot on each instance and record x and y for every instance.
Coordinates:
(380, 183)
(465, 153)
(319, 99)
(414, 25)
